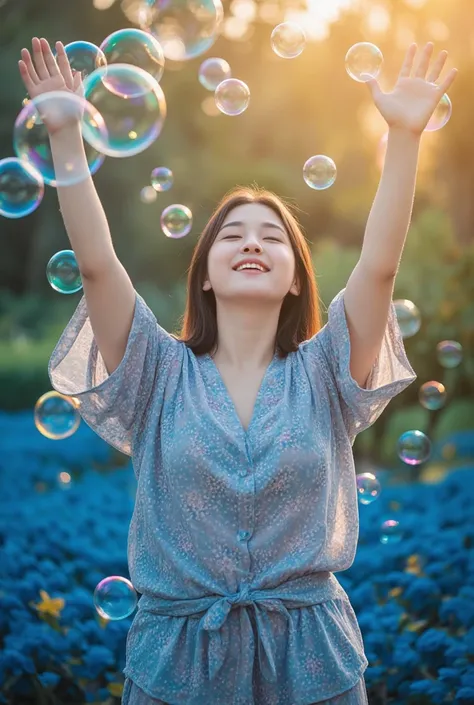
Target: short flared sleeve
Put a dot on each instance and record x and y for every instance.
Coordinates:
(112, 405)
(391, 372)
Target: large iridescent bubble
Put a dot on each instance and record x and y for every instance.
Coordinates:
(21, 188)
(319, 172)
(136, 47)
(56, 415)
(213, 71)
(115, 598)
(184, 28)
(408, 317)
(132, 105)
(363, 61)
(62, 272)
(84, 57)
(176, 221)
(57, 109)
(232, 96)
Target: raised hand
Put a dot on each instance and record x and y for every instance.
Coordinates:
(45, 73)
(416, 94)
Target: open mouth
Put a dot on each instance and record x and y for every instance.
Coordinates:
(251, 268)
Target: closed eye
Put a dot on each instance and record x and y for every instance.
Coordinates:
(228, 237)
(275, 239)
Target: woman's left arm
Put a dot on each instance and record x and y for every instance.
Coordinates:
(368, 294)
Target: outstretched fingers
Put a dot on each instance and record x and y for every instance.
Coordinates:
(424, 62)
(408, 61)
(49, 59)
(64, 65)
(437, 67)
(38, 59)
(27, 71)
(448, 81)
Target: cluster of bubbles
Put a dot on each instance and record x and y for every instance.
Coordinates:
(122, 107)
(121, 111)
(413, 446)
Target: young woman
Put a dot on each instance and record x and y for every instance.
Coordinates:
(241, 429)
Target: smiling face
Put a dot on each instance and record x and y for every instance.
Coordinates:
(252, 257)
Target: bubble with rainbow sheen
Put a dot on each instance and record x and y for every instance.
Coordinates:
(288, 40)
(232, 96)
(57, 109)
(56, 415)
(148, 195)
(363, 61)
(408, 317)
(414, 447)
(441, 114)
(21, 188)
(368, 488)
(84, 57)
(391, 531)
(212, 72)
(162, 178)
(176, 221)
(115, 598)
(133, 108)
(185, 28)
(319, 172)
(449, 353)
(432, 395)
(62, 272)
(136, 47)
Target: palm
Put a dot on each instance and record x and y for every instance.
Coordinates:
(53, 83)
(414, 98)
(44, 73)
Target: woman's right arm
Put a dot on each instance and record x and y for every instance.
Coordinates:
(108, 290)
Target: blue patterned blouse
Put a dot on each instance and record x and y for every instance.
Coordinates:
(236, 535)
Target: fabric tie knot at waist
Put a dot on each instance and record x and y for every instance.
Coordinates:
(213, 611)
(217, 614)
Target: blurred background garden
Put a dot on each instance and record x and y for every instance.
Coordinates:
(65, 505)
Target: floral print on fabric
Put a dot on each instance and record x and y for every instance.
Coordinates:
(236, 535)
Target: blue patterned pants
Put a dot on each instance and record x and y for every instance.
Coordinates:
(133, 695)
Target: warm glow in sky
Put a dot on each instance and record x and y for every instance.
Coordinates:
(319, 15)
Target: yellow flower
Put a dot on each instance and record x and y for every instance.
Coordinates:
(48, 605)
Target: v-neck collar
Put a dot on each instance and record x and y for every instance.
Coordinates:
(227, 399)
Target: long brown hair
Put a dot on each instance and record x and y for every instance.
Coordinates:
(299, 317)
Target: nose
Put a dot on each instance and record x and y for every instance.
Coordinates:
(250, 246)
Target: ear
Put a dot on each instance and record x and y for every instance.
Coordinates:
(295, 288)
(207, 285)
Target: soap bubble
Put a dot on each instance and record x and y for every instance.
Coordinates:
(115, 598)
(62, 272)
(319, 172)
(84, 57)
(432, 395)
(212, 72)
(184, 28)
(176, 221)
(363, 61)
(161, 178)
(449, 353)
(232, 96)
(391, 532)
(368, 488)
(148, 194)
(288, 40)
(441, 114)
(408, 317)
(21, 188)
(31, 138)
(414, 447)
(133, 107)
(56, 415)
(135, 47)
